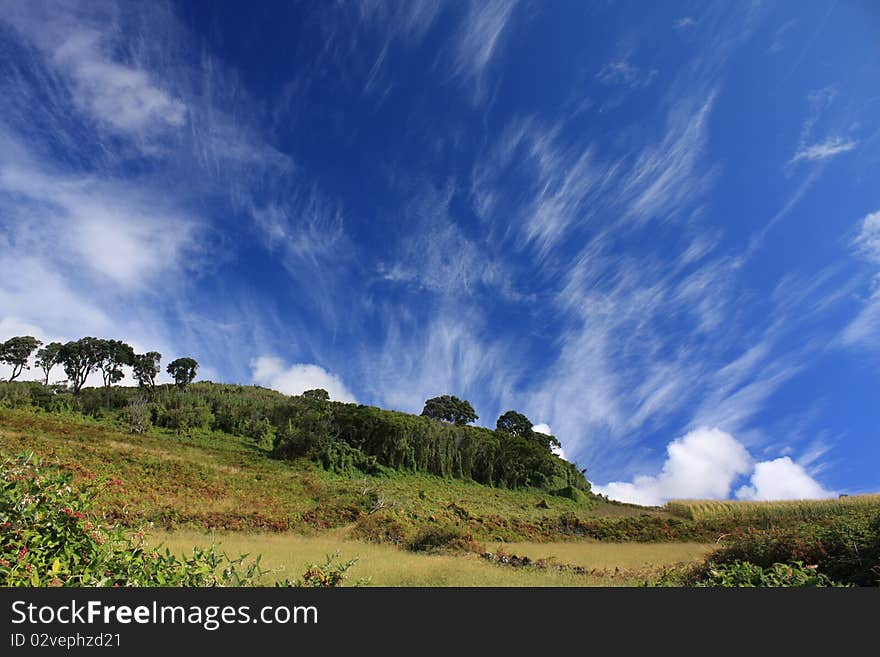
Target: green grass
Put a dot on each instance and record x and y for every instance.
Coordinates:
(221, 481)
(286, 555)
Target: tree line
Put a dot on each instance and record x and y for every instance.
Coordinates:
(80, 358)
(449, 408)
(341, 437)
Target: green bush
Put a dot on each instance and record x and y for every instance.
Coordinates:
(184, 418)
(846, 548)
(745, 574)
(50, 537)
(329, 574)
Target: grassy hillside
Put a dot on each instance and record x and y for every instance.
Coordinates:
(214, 480)
(406, 525)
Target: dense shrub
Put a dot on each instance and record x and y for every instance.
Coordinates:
(745, 574)
(380, 528)
(50, 537)
(442, 538)
(846, 548)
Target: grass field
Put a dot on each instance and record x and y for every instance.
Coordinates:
(286, 554)
(786, 510)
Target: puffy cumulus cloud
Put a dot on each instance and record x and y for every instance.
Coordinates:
(295, 379)
(782, 479)
(701, 465)
(705, 464)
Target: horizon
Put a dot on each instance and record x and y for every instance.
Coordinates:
(648, 227)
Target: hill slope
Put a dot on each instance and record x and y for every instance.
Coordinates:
(222, 481)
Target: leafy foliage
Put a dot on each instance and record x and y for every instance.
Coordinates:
(746, 574)
(112, 355)
(515, 425)
(183, 371)
(846, 547)
(450, 408)
(329, 574)
(51, 537)
(79, 358)
(146, 369)
(16, 351)
(47, 358)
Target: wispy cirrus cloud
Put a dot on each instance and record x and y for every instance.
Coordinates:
(622, 72)
(451, 352)
(823, 150)
(92, 100)
(862, 331)
(867, 242)
(684, 22)
(93, 68)
(646, 337)
(118, 230)
(479, 37)
(810, 149)
(123, 97)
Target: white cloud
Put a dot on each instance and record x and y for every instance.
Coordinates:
(868, 241)
(823, 150)
(701, 465)
(446, 354)
(864, 328)
(685, 22)
(127, 234)
(622, 73)
(295, 379)
(706, 463)
(782, 479)
(121, 96)
(479, 38)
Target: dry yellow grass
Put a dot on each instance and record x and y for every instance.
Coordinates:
(287, 555)
(784, 509)
(608, 556)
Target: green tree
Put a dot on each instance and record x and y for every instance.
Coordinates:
(112, 355)
(450, 408)
(146, 369)
(16, 352)
(183, 370)
(317, 393)
(79, 359)
(48, 357)
(515, 424)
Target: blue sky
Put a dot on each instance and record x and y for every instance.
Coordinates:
(652, 227)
